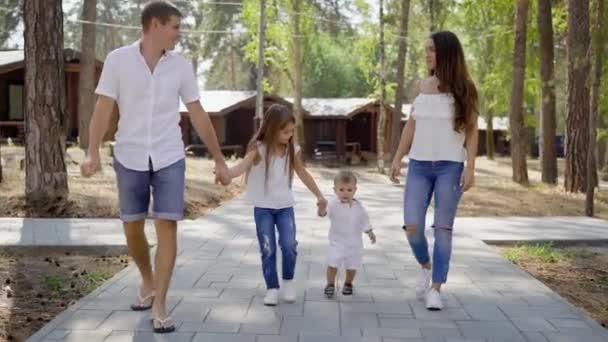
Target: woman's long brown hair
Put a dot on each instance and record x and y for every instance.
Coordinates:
(275, 119)
(451, 70)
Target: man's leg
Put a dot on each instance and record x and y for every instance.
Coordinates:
(134, 197)
(350, 277)
(331, 275)
(168, 195)
(139, 250)
(166, 251)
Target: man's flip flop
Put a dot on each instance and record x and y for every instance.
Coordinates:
(142, 302)
(330, 291)
(347, 290)
(163, 326)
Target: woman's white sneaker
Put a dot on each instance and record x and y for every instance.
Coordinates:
(423, 283)
(272, 297)
(433, 300)
(289, 291)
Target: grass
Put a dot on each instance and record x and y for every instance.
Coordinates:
(95, 279)
(578, 253)
(55, 284)
(86, 281)
(543, 252)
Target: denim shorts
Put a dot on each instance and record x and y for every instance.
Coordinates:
(165, 185)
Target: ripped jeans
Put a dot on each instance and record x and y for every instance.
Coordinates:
(425, 179)
(265, 222)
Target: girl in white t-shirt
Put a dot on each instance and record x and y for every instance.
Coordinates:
(349, 220)
(270, 163)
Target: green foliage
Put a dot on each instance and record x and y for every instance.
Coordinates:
(340, 41)
(10, 17)
(331, 70)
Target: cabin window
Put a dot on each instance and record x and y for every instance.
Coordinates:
(15, 102)
(327, 130)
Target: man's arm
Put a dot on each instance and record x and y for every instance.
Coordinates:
(97, 129)
(202, 124)
(100, 122)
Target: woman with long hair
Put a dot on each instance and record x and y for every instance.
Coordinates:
(439, 137)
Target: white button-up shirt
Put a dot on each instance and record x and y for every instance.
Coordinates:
(348, 223)
(148, 127)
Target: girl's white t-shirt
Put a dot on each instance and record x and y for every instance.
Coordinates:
(276, 192)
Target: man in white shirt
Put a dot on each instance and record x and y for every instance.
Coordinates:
(146, 80)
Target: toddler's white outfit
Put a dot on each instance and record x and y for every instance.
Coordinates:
(348, 223)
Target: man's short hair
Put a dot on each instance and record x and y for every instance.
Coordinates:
(160, 9)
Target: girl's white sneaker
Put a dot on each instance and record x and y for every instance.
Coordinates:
(272, 297)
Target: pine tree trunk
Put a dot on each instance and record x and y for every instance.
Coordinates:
(516, 118)
(109, 32)
(598, 50)
(401, 55)
(86, 92)
(548, 149)
(297, 58)
(0, 163)
(432, 15)
(490, 135)
(602, 144)
(196, 43)
(260, 72)
(46, 182)
(232, 63)
(487, 63)
(602, 147)
(382, 117)
(577, 122)
(605, 169)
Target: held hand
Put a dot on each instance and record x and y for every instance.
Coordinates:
(90, 166)
(322, 206)
(321, 213)
(467, 180)
(222, 174)
(395, 172)
(372, 236)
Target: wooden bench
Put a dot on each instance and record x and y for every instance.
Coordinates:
(353, 153)
(327, 150)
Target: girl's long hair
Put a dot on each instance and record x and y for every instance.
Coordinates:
(275, 119)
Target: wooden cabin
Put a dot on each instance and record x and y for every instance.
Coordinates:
(500, 126)
(12, 105)
(232, 114)
(345, 127)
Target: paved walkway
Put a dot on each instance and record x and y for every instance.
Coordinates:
(218, 288)
(64, 232)
(108, 232)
